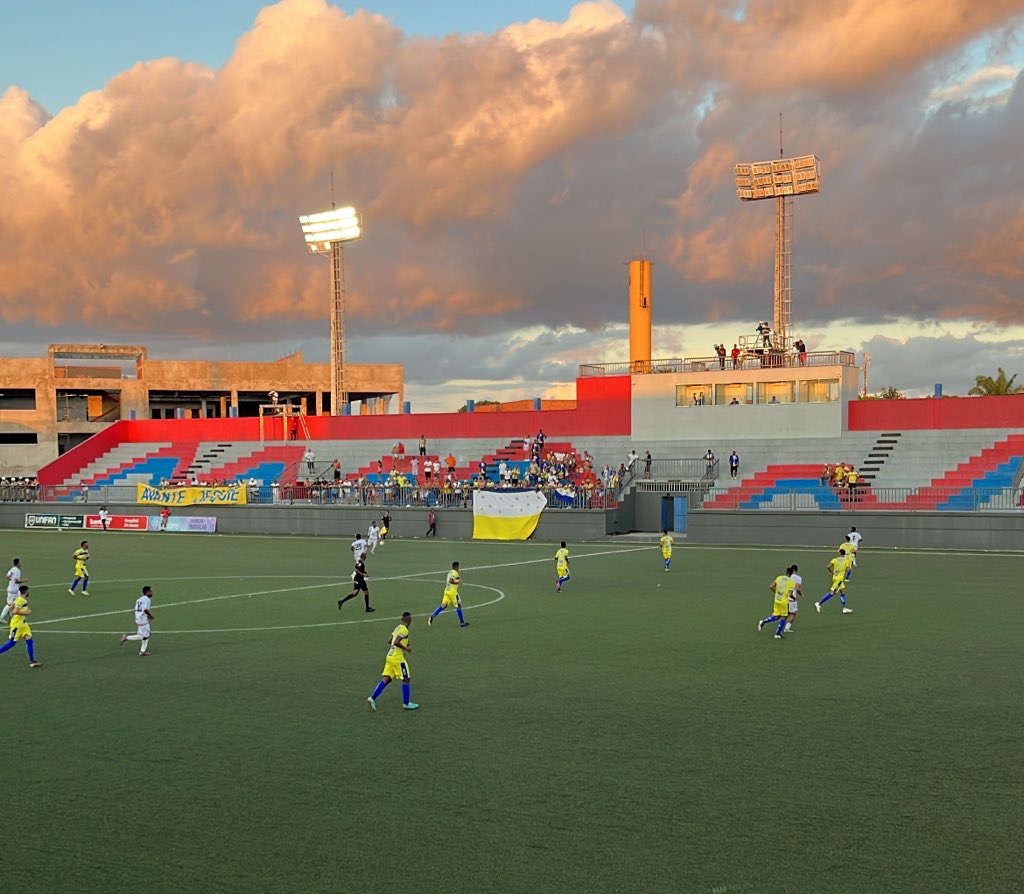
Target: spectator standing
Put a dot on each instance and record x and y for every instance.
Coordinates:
(415, 467)
(647, 464)
(436, 469)
(631, 459)
(450, 460)
(801, 351)
(709, 461)
(423, 445)
(310, 457)
(104, 517)
(431, 524)
(720, 350)
(165, 514)
(734, 464)
(735, 356)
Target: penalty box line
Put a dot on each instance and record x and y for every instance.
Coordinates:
(332, 583)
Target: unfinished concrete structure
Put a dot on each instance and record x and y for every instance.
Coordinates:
(50, 404)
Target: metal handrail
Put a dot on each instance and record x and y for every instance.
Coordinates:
(749, 359)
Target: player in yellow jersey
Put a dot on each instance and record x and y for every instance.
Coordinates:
(666, 548)
(837, 567)
(450, 598)
(781, 588)
(561, 567)
(81, 557)
(396, 665)
(19, 629)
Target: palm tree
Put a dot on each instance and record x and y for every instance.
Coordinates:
(986, 385)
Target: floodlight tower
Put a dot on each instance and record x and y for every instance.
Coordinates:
(780, 180)
(326, 233)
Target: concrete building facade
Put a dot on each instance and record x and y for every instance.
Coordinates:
(50, 404)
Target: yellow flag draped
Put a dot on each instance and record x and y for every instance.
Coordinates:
(511, 515)
(226, 495)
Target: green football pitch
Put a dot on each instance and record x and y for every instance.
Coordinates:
(632, 734)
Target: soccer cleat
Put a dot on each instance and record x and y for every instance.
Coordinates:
(34, 664)
(370, 609)
(85, 592)
(847, 611)
(72, 592)
(778, 636)
(464, 624)
(371, 704)
(144, 654)
(412, 706)
(124, 638)
(817, 607)
(760, 624)
(430, 620)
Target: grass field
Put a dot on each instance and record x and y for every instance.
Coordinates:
(633, 734)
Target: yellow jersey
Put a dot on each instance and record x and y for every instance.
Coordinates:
(18, 621)
(783, 587)
(847, 549)
(562, 557)
(666, 545)
(451, 583)
(401, 632)
(838, 567)
(81, 556)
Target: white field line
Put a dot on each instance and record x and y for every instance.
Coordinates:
(332, 583)
(501, 595)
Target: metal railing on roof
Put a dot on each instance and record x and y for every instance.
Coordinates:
(748, 360)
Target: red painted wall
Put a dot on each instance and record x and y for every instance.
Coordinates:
(937, 413)
(69, 463)
(602, 408)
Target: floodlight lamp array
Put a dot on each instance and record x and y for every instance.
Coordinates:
(323, 230)
(777, 178)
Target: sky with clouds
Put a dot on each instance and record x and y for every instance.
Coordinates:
(507, 165)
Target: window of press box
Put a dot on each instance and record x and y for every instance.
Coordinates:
(776, 392)
(694, 395)
(734, 393)
(819, 391)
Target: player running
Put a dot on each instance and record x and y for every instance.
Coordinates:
(19, 629)
(780, 587)
(796, 593)
(561, 567)
(837, 567)
(143, 617)
(451, 598)
(396, 665)
(373, 537)
(14, 582)
(358, 546)
(359, 585)
(81, 557)
(666, 548)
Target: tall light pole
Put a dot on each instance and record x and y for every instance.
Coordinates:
(326, 233)
(780, 179)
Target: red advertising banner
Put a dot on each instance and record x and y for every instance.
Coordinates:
(118, 522)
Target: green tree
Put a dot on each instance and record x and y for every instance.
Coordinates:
(479, 403)
(986, 385)
(889, 392)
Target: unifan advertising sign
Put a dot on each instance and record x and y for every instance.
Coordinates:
(54, 522)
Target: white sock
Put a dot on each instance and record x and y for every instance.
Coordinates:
(6, 613)
(135, 637)
(789, 627)
(145, 645)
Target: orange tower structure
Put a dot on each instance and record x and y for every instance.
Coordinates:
(641, 293)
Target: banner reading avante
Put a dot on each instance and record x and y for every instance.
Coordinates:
(227, 495)
(508, 515)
